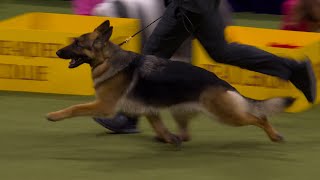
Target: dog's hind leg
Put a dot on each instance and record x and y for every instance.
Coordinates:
(264, 124)
(231, 108)
(95, 108)
(162, 131)
(182, 120)
(273, 134)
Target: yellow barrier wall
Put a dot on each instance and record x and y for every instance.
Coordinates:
(257, 85)
(28, 62)
(27, 51)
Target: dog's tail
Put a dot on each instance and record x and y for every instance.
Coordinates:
(268, 107)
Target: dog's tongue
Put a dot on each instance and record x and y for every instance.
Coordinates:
(73, 63)
(76, 62)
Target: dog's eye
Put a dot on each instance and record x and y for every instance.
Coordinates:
(77, 43)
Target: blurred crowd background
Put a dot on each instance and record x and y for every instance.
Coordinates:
(302, 15)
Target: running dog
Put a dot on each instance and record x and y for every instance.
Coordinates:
(144, 85)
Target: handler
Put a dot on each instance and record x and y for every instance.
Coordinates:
(201, 19)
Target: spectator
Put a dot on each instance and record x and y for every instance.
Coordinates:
(84, 7)
(301, 15)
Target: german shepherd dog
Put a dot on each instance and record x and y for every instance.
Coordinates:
(144, 85)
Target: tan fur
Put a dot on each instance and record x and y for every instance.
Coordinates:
(98, 71)
(182, 120)
(107, 96)
(232, 109)
(161, 130)
(268, 108)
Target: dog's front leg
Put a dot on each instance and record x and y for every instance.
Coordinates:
(96, 108)
(162, 131)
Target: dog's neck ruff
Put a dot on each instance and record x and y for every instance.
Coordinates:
(116, 65)
(93, 67)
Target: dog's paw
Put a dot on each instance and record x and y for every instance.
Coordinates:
(171, 139)
(185, 137)
(176, 140)
(278, 138)
(54, 116)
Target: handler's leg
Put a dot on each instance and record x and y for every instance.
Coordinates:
(211, 36)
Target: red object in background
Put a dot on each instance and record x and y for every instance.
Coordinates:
(287, 46)
(288, 12)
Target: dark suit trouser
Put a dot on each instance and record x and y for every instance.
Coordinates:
(178, 24)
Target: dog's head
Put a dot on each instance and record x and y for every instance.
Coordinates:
(88, 48)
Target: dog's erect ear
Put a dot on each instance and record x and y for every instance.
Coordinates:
(108, 34)
(103, 27)
(103, 38)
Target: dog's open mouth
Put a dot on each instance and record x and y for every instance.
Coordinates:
(76, 62)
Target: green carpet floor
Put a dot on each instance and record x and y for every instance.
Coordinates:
(33, 148)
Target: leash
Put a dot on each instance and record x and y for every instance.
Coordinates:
(129, 38)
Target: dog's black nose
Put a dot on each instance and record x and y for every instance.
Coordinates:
(59, 53)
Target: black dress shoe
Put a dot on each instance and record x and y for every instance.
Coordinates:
(120, 124)
(304, 79)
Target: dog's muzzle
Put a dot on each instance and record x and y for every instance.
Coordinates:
(76, 60)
